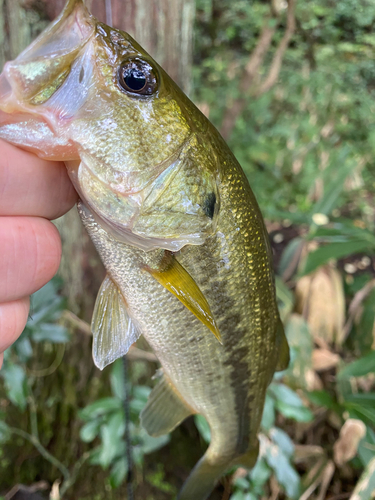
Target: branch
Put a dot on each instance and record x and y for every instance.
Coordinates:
(133, 354)
(46, 454)
(256, 58)
(236, 107)
(275, 67)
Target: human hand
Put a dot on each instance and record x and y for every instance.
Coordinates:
(31, 192)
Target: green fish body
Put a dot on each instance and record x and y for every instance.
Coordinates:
(174, 220)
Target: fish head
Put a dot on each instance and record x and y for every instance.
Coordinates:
(133, 143)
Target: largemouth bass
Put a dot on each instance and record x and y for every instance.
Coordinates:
(174, 220)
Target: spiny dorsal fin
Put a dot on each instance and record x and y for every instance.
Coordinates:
(179, 282)
(165, 409)
(113, 330)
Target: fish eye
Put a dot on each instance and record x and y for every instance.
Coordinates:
(137, 77)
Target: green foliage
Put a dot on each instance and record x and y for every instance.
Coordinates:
(46, 307)
(105, 420)
(307, 147)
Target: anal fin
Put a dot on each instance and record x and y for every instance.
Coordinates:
(112, 328)
(165, 409)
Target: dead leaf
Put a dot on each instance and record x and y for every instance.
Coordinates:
(346, 446)
(55, 491)
(324, 359)
(320, 299)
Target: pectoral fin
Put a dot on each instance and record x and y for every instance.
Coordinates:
(113, 330)
(179, 282)
(165, 409)
(283, 361)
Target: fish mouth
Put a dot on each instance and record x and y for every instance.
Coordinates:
(35, 75)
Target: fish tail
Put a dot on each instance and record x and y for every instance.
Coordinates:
(202, 479)
(206, 473)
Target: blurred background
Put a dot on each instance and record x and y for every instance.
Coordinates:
(291, 86)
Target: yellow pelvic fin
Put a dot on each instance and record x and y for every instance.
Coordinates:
(179, 282)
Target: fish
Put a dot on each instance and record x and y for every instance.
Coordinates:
(175, 222)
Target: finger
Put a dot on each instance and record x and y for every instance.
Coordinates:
(31, 186)
(1, 360)
(30, 253)
(13, 318)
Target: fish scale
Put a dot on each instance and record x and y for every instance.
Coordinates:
(176, 225)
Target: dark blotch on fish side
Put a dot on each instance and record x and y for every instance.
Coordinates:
(209, 205)
(240, 372)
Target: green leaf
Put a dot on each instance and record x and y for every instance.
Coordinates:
(237, 495)
(118, 472)
(111, 434)
(4, 432)
(15, 384)
(291, 250)
(359, 368)
(23, 348)
(366, 485)
(150, 444)
(334, 187)
(139, 399)
(298, 413)
(366, 447)
(117, 379)
(334, 251)
(285, 394)
(51, 332)
(203, 427)
(89, 431)
(268, 418)
(100, 408)
(242, 483)
(285, 473)
(282, 440)
(322, 398)
(260, 474)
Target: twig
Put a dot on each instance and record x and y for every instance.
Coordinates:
(46, 454)
(275, 67)
(53, 367)
(73, 476)
(134, 353)
(235, 108)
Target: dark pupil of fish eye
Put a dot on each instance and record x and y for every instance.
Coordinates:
(134, 79)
